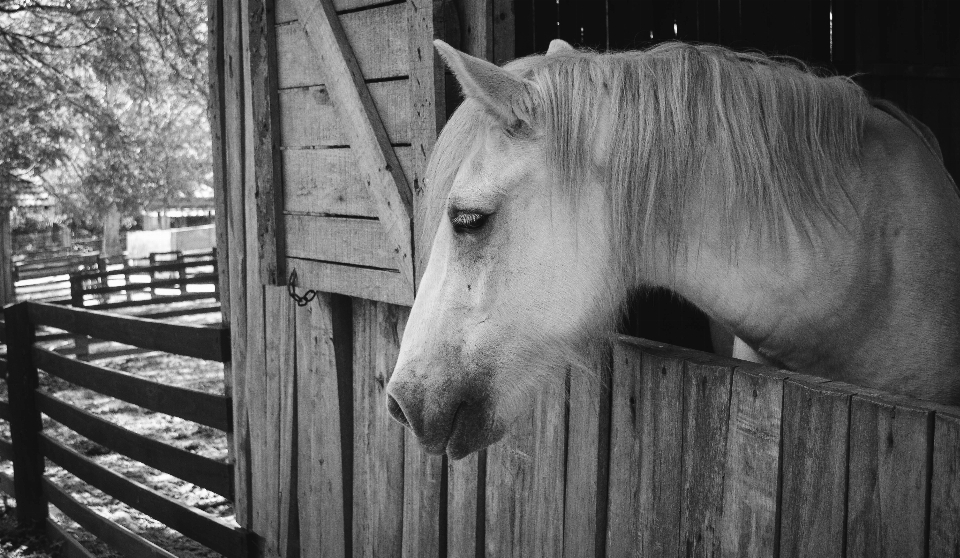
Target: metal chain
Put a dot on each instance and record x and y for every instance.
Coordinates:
(301, 300)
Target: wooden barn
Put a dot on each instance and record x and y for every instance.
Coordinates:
(324, 115)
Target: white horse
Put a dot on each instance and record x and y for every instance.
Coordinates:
(820, 229)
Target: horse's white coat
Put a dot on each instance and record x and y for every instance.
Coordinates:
(868, 293)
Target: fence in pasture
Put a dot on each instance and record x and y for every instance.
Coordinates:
(26, 403)
(88, 279)
(105, 288)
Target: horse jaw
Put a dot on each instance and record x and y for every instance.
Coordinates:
(499, 318)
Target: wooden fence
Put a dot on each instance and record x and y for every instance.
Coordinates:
(26, 403)
(100, 288)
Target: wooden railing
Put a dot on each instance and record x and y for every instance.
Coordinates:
(93, 289)
(26, 403)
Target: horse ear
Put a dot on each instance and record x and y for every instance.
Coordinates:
(559, 45)
(497, 89)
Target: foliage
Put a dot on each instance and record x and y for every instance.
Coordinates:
(104, 101)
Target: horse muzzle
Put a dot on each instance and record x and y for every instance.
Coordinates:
(456, 420)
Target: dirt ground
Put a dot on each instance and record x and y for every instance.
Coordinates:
(160, 367)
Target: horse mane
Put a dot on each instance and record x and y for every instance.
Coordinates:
(778, 136)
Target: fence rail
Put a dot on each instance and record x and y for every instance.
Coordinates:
(26, 403)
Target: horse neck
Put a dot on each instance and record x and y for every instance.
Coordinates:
(865, 298)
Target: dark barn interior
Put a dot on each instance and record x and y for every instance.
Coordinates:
(905, 51)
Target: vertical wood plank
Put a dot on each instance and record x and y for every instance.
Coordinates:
(320, 486)
(25, 423)
(504, 32)
(261, 393)
(945, 485)
(274, 431)
(268, 177)
(624, 484)
(378, 439)
(428, 81)
(750, 497)
(465, 479)
(659, 427)
(524, 483)
(288, 536)
(422, 521)
(890, 444)
(233, 194)
(476, 27)
(585, 514)
(815, 437)
(706, 410)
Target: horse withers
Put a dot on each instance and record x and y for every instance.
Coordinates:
(819, 228)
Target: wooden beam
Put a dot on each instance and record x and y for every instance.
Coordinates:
(377, 161)
(212, 532)
(202, 471)
(268, 175)
(180, 339)
(126, 542)
(203, 408)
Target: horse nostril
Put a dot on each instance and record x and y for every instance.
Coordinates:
(396, 411)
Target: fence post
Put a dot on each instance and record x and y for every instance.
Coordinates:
(25, 423)
(80, 342)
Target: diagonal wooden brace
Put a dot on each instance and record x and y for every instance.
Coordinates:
(376, 158)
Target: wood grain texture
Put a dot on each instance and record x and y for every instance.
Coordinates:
(216, 113)
(370, 284)
(233, 140)
(752, 473)
(889, 476)
(268, 175)
(288, 540)
(69, 546)
(624, 487)
(261, 394)
(207, 530)
(378, 163)
(25, 424)
(286, 11)
(267, 488)
(119, 538)
(322, 530)
(945, 485)
(179, 339)
(339, 239)
(327, 181)
(378, 38)
(659, 427)
(706, 410)
(464, 480)
(308, 117)
(200, 407)
(378, 439)
(525, 475)
(201, 471)
(504, 31)
(815, 436)
(585, 506)
(426, 105)
(422, 475)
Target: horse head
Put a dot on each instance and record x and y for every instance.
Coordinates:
(511, 294)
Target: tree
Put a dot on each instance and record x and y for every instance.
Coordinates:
(106, 99)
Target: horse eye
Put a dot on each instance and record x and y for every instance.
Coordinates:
(468, 221)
